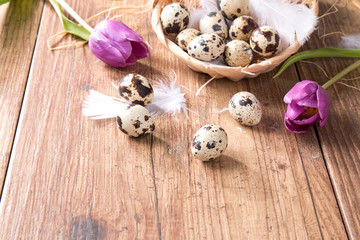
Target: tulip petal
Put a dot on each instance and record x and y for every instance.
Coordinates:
(116, 44)
(324, 103)
(301, 90)
(292, 127)
(131, 60)
(124, 47)
(293, 111)
(140, 49)
(118, 31)
(310, 101)
(107, 53)
(307, 121)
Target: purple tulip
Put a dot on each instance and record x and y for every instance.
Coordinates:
(116, 44)
(307, 103)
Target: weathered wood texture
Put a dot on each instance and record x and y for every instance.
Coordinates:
(19, 23)
(69, 177)
(258, 189)
(340, 137)
(73, 178)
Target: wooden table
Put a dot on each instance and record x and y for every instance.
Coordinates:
(63, 176)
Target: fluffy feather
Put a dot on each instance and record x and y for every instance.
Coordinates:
(197, 13)
(351, 41)
(168, 99)
(100, 106)
(209, 5)
(286, 17)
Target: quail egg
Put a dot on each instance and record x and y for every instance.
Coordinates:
(242, 28)
(245, 108)
(206, 47)
(214, 22)
(134, 88)
(238, 53)
(209, 142)
(174, 18)
(135, 121)
(265, 41)
(232, 9)
(186, 36)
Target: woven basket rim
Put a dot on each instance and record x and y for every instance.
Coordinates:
(220, 71)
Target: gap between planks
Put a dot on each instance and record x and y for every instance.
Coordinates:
(22, 101)
(151, 145)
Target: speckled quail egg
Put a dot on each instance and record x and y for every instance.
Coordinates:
(135, 121)
(186, 36)
(265, 41)
(206, 47)
(174, 18)
(209, 142)
(245, 108)
(214, 22)
(232, 9)
(134, 88)
(238, 53)
(242, 28)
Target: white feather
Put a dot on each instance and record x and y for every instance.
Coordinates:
(209, 5)
(287, 18)
(351, 41)
(100, 106)
(196, 14)
(168, 99)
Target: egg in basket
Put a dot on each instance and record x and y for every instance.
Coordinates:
(234, 39)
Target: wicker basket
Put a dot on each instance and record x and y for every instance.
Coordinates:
(220, 71)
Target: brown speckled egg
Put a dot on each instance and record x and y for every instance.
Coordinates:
(245, 108)
(206, 47)
(186, 36)
(134, 88)
(209, 142)
(242, 28)
(265, 41)
(214, 22)
(238, 53)
(174, 18)
(232, 9)
(135, 121)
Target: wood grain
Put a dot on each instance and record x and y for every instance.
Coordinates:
(73, 178)
(260, 188)
(70, 177)
(19, 21)
(340, 137)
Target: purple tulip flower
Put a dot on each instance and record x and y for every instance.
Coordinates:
(307, 103)
(116, 44)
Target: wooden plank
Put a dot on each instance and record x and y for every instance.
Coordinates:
(325, 204)
(69, 177)
(19, 22)
(82, 179)
(258, 189)
(340, 137)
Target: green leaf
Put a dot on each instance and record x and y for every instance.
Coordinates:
(319, 53)
(69, 25)
(4, 1)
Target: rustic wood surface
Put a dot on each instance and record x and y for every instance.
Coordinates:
(68, 177)
(340, 140)
(19, 23)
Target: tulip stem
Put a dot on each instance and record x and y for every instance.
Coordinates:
(75, 15)
(341, 74)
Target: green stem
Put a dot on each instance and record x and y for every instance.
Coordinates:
(75, 15)
(4, 1)
(319, 53)
(341, 74)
